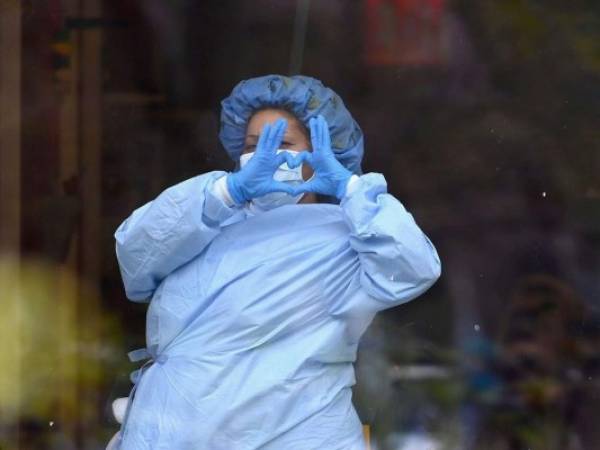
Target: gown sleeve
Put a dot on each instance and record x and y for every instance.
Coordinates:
(169, 231)
(398, 262)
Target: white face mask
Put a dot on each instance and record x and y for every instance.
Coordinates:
(283, 173)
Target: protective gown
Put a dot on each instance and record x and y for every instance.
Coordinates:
(254, 321)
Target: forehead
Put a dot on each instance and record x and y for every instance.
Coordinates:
(259, 119)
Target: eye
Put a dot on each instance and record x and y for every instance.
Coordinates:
(285, 144)
(249, 147)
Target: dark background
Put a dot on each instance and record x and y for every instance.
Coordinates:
(483, 117)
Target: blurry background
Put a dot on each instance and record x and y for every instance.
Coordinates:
(483, 116)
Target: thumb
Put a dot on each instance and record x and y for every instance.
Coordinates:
(278, 186)
(309, 186)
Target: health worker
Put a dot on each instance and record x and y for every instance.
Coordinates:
(261, 281)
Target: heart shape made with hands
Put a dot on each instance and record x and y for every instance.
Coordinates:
(330, 176)
(294, 160)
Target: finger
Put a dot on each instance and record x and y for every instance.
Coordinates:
(290, 160)
(263, 138)
(283, 158)
(302, 157)
(276, 136)
(320, 128)
(281, 133)
(314, 136)
(325, 135)
(267, 144)
(278, 186)
(309, 186)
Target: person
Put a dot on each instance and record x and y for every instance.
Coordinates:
(262, 280)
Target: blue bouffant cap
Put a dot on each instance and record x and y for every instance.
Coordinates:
(306, 97)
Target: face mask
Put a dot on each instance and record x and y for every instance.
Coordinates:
(283, 173)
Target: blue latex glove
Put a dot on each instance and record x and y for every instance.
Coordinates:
(256, 177)
(331, 177)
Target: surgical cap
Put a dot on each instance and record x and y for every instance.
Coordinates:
(306, 97)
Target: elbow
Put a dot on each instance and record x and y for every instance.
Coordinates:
(423, 279)
(428, 280)
(436, 270)
(406, 285)
(136, 290)
(422, 270)
(394, 291)
(402, 274)
(434, 263)
(427, 269)
(138, 296)
(427, 276)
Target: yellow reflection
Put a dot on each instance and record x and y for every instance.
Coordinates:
(55, 353)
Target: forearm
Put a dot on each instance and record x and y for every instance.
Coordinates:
(398, 261)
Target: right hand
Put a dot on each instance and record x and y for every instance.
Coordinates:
(256, 178)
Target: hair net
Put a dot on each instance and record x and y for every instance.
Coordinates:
(306, 97)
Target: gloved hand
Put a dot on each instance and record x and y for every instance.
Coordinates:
(331, 177)
(256, 177)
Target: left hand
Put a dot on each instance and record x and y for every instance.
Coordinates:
(331, 177)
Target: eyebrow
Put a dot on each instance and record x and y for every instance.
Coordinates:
(255, 136)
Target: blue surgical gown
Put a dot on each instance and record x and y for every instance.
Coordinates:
(254, 321)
